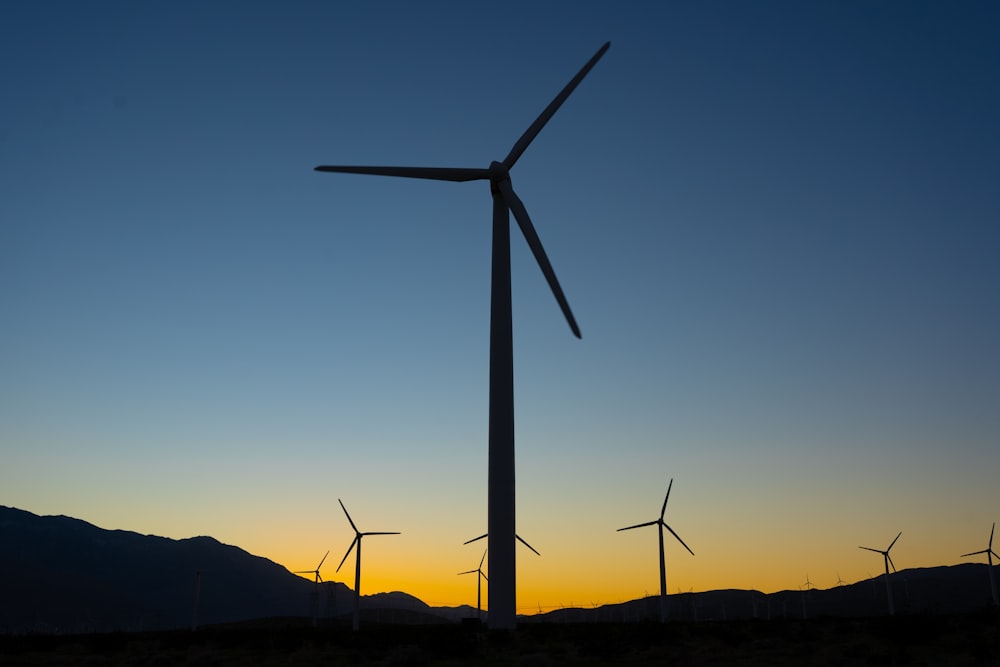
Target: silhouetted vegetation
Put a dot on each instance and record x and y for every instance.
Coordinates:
(967, 639)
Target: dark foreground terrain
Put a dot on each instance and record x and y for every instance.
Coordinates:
(955, 640)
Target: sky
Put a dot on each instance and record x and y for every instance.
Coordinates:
(775, 222)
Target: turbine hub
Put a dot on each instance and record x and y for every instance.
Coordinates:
(498, 172)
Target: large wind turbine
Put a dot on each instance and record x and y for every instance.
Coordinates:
(357, 564)
(317, 581)
(663, 571)
(502, 592)
(989, 559)
(888, 562)
(480, 575)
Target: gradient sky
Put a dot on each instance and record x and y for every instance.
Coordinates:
(776, 222)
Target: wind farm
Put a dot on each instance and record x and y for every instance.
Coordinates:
(776, 228)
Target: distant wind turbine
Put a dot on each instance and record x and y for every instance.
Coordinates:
(516, 536)
(663, 571)
(479, 584)
(357, 564)
(502, 591)
(888, 562)
(989, 559)
(318, 580)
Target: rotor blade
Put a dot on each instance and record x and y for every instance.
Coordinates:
(348, 515)
(639, 525)
(468, 572)
(975, 553)
(889, 558)
(528, 229)
(679, 538)
(550, 110)
(663, 510)
(382, 533)
(991, 533)
(878, 551)
(475, 538)
(483, 559)
(349, 549)
(483, 575)
(457, 174)
(893, 542)
(319, 578)
(519, 539)
(324, 559)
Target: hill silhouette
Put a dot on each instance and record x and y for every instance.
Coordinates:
(63, 575)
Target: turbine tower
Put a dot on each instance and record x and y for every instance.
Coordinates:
(888, 562)
(663, 571)
(479, 584)
(357, 564)
(989, 559)
(501, 503)
(318, 580)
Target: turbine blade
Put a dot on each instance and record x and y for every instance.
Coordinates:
(319, 578)
(893, 542)
(679, 539)
(519, 539)
(357, 537)
(456, 174)
(482, 560)
(878, 551)
(474, 539)
(663, 510)
(550, 110)
(991, 533)
(975, 553)
(323, 560)
(382, 533)
(303, 571)
(483, 575)
(889, 559)
(468, 572)
(639, 525)
(349, 519)
(528, 229)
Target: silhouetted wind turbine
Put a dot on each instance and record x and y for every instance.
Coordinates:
(516, 536)
(663, 571)
(317, 582)
(989, 559)
(502, 592)
(479, 584)
(357, 564)
(888, 562)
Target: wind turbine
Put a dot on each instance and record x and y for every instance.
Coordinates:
(357, 564)
(479, 584)
(516, 536)
(989, 559)
(663, 571)
(501, 501)
(888, 562)
(318, 581)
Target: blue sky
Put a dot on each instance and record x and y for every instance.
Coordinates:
(775, 222)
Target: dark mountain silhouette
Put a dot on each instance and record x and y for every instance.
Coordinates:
(64, 575)
(59, 574)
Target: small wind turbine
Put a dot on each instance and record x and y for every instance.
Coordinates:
(888, 562)
(197, 600)
(989, 559)
(500, 484)
(663, 571)
(357, 564)
(516, 536)
(318, 581)
(840, 582)
(479, 585)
